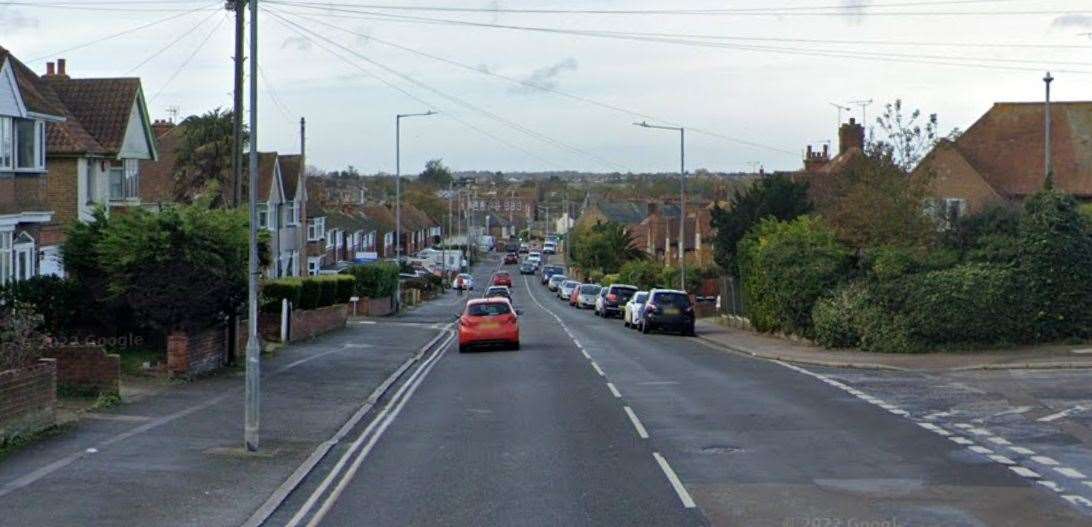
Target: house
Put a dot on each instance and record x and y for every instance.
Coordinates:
(627, 213)
(1000, 158)
(29, 237)
(282, 197)
(658, 234)
(821, 171)
(384, 221)
(95, 156)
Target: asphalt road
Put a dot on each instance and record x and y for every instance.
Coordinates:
(594, 424)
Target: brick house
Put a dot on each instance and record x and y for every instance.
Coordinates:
(658, 233)
(28, 235)
(95, 156)
(1000, 158)
(821, 171)
(382, 217)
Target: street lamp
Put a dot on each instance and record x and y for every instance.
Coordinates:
(398, 193)
(682, 196)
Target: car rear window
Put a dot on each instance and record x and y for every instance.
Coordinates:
(558, 278)
(624, 292)
(488, 309)
(589, 289)
(640, 298)
(671, 299)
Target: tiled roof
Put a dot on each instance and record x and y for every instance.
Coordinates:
(266, 163)
(37, 96)
(382, 216)
(1006, 147)
(102, 106)
(70, 137)
(626, 213)
(291, 169)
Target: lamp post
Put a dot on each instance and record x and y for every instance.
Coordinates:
(398, 194)
(682, 196)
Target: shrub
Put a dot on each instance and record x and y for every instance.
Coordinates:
(609, 279)
(327, 291)
(970, 303)
(20, 342)
(594, 276)
(1055, 268)
(57, 300)
(787, 266)
(834, 318)
(274, 291)
(645, 274)
(346, 286)
(669, 278)
(376, 280)
(310, 294)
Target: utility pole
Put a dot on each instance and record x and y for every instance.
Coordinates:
(252, 419)
(1048, 168)
(398, 193)
(239, 6)
(682, 198)
(301, 207)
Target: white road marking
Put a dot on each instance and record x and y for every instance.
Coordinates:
(1025, 472)
(961, 440)
(684, 496)
(1089, 483)
(1043, 460)
(92, 450)
(1064, 413)
(1077, 500)
(998, 440)
(1069, 472)
(1051, 485)
(598, 369)
(636, 423)
(1022, 451)
(586, 356)
(1002, 459)
(1083, 351)
(613, 390)
(964, 426)
(980, 449)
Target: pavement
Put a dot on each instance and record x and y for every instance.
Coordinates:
(775, 348)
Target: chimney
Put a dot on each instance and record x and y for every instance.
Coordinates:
(651, 208)
(850, 135)
(161, 126)
(60, 68)
(49, 69)
(814, 161)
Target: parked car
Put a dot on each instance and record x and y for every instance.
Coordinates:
(555, 281)
(498, 290)
(534, 256)
(464, 281)
(502, 278)
(611, 299)
(549, 248)
(565, 290)
(524, 248)
(668, 309)
(511, 259)
(575, 296)
(550, 270)
(526, 268)
(588, 293)
(631, 312)
(488, 322)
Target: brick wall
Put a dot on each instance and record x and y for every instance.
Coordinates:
(28, 399)
(373, 307)
(87, 370)
(190, 354)
(62, 189)
(304, 324)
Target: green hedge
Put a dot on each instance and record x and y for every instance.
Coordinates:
(274, 291)
(376, 280)
(310, 294)
(307, 293)
(346, 286)
(327, 291)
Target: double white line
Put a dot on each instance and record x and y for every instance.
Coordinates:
(363, 444)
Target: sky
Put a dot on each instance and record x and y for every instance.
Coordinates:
(753, 82)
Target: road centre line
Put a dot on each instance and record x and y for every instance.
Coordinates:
(598, 369)
(636, 422)
(614, 390)
(676, 483)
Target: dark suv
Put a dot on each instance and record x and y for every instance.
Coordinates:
(668, 309)
(550, 270)
(611, 299)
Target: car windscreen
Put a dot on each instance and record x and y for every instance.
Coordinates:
(671, 299)
(557, 278)
(553, 269)
(488, 309)
(589, 289)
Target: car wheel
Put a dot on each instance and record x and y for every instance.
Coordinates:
(463, 349)
(625, 322)
(690, 331)
(515, 345)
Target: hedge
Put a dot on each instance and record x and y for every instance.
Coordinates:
(310, 294)
(307, 293)
(376, 280)
(275, 291)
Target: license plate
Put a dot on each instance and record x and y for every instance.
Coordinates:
(671, 311)
(490, 326)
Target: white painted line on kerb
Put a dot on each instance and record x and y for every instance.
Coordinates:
(636, 423)
(598, 369)
(1069, 472)
(676, 483)
(613, 390)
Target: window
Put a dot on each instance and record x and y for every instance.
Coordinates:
(5, 257)
(6, 143)
(388, 239)
(263, 215)
(488, 309)
(316, 229)
(331, 235)
(954, 209)
(25, 257)
(29, 144)
(290, 213)
(314, 264)
(293, 263)
(124, 178)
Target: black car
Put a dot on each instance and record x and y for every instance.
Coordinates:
(526, 268)
(668, 309)
(551, 270)
(613, 299)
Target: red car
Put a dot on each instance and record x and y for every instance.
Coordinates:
(502, 278)
(574, 297)
(511, 258)
(489, 321)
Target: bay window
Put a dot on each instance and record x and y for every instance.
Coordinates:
(316, 229)
(7, 143)
(124, 179)
(5, 257)
(22, 144)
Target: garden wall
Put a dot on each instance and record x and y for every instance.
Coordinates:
(28, 399)
(194, 353)
(305, 323)
(85, 370)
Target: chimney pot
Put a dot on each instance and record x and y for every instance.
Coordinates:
(49, 69)
(61, 67)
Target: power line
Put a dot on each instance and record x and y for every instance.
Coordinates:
(171, 43)
(446, 113)
(121, 33)
(461, 102)
(546, 88)
(106, 8)
(274, 97)
(186, 62)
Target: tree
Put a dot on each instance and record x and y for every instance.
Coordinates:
(427, 201)
(907, 140)
(604, 246)
(436, 174)
(874, 202)
(205, 154)
(776, 196)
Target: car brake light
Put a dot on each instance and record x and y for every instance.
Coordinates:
(612, 297)
(652, 308)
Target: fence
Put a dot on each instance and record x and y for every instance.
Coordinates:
(731, 296)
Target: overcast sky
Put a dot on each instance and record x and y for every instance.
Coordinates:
(780, 100)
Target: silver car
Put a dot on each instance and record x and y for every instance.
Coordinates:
(555, 281)
(588, 295)
(566, 289)
(631, 316)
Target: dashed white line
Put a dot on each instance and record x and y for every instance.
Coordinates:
(1059, 415)
(586, 356)
(613, 390)
(998, 440)
(676, 483)
(636, 423)
(980, 449)
(961, 440)
(1077, 500)
(1002, 459)
(1069, 472)
(1022, 451)
(1043, 460)
(598, 369)
(1051, 485)
(1025, 472)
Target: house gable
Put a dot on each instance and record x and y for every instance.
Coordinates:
(952, 176)
(138, 142)
(11, 103)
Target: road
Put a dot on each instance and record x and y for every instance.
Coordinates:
(594, 424)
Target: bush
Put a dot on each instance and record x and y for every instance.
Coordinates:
(644, 274)
(834, 318)
(594, 276)
(20, 342)
(346, 286)
(669, 278)
(609, 279)
(376, 280)
(310, 294)
(58, 301)
(1055, 268)
(971, 303)
(274, 291)
(327, 291)
(785, 268)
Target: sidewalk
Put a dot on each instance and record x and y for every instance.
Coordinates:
(769, 347)
(175, 457)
